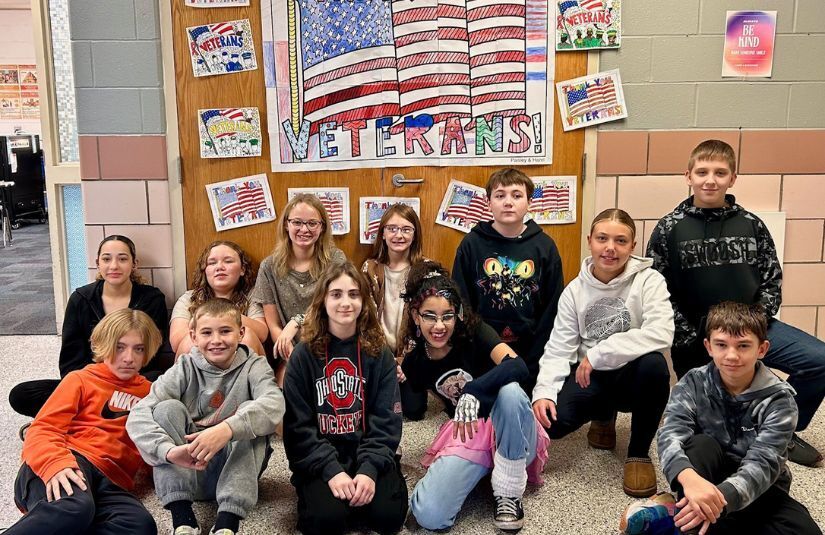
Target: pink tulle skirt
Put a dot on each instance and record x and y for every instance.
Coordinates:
(481, 448)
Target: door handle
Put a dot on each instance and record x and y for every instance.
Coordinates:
(398, 180)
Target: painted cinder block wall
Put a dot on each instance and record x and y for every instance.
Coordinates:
(671, 61)
(121, 123)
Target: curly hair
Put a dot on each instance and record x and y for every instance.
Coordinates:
(202, 292)
(428, 279)
(315, 331)
(283, 254)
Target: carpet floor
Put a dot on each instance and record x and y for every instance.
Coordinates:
(26, 297)
(582, 493)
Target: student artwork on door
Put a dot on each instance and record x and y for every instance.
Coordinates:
(588, 24)
(336, 203)
(554, 200)
(240, 202)
(373, 208)
(216, 3)
(592, 99)
(221, 48)
(229, 132)
(374, 83)
(463, 206)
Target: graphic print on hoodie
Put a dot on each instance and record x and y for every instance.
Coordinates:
(338, 396)
(508, 283)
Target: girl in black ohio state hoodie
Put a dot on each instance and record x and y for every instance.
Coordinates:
(343, 418)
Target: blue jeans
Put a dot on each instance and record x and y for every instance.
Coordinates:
(439, 495)
(802, 357)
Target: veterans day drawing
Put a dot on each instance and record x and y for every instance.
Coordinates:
(229, 132)
(588, 24)
(221, 48)
(408, 82)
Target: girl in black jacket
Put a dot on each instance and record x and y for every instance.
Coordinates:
(343, 417)
(118, 286)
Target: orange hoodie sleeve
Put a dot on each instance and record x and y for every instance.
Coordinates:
(45, 449)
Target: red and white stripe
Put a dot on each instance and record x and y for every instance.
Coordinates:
(497, 56)
(433, 57)
(251, 199)
(552, 199)
(222, 28)
(335, 210)
(591, 4)
(602, 95)
(369, 81)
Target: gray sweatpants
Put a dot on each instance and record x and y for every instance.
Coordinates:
(231, 477)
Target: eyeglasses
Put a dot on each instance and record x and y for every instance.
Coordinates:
(431, 319)
(394, 229)
(311, 224)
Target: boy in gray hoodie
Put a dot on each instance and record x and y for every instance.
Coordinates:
(723, 445)
(205, 425)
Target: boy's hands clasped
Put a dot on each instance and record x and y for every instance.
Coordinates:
(202, 447)
(359, 490)
(702, 505)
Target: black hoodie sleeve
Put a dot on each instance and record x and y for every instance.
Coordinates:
(770, 270)
(550, 288)
(485, 388)
(152, 301)
(463, 274)
(307, 452)
(376, 452)
(75, 349)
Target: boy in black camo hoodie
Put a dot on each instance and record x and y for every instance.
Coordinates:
(723, 444)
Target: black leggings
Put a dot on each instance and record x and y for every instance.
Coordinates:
(319, 512)
(104, 508)
(772, 513)
(641, 387)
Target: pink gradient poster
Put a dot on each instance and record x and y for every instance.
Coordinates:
(749, 38)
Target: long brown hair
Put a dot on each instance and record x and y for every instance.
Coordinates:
(283, 254)
(202, 292)
(134, 276)
(315, 332)
(380, 252)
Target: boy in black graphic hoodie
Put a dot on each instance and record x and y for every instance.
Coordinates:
(510, 272)
(710, 250)
(343, 419)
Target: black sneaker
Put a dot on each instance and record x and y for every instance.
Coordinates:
(509, 514)
(800, 452)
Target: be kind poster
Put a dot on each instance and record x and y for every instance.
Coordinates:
(749, 39)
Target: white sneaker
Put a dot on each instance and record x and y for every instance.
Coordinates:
(187, 530)
(222, 531)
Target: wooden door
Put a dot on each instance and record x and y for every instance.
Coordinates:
(247, 89)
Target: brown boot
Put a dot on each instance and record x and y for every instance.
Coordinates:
(602, 435)
(639, 477)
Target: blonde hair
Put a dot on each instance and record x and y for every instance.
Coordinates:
(713, 149)
(115, 325)
(134, 276)
(380, 252)
(202, 292)
(618, 215)
(509, 177)
(315, 331)
(283, 254)
(216, 307)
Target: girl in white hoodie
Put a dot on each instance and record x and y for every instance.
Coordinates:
(605, 351)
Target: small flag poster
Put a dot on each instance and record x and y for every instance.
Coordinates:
(373, 208)
(241, 202)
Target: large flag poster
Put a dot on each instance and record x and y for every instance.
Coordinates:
(374, 83)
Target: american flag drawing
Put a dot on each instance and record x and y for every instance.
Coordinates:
(468, 205)
(240, 202)
(334, 205)
(374, 213)
(601, 93)
(222, 28)
(228, 203)
(349, 61)
(577, 102)
(549, 198)
(228, 114)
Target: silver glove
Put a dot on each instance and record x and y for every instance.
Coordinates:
(466, 409)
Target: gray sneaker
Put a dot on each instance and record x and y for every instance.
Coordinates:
(509, 515)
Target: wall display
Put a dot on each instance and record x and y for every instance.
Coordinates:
(229, 132)
(336, 203)
(463, 206)
(592, 99)
(19, 95)
(373, 208)
(216, 3)
(588, 24)
(554, 200)
(241, 202)
(221, 48)
(374, 83)
(749, 39)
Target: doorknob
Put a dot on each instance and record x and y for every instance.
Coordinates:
(398, 180)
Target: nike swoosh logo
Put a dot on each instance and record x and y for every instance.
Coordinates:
(109, 414)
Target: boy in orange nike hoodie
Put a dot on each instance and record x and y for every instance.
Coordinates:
(78, 461)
